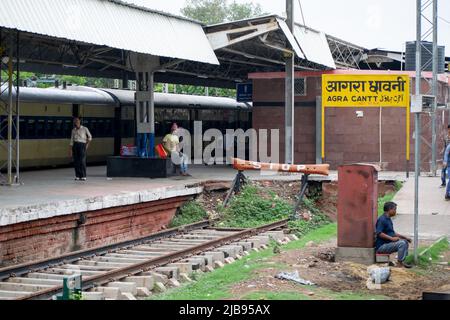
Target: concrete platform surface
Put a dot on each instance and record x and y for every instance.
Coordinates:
(46, 193)
(434, 211)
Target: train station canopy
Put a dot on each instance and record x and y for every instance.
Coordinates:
(95, 38)
(85, 33)
(261, 44)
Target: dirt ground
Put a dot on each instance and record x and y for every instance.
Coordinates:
(316, 264)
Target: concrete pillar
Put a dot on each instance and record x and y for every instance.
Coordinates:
(145, 66)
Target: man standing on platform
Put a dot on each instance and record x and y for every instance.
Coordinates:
(446, 165)
(171, 143)
(444, 168)
(79, 142)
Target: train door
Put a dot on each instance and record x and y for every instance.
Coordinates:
(117, 129)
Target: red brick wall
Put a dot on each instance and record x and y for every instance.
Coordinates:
(51, 237)
(268, 113)
(348, 139)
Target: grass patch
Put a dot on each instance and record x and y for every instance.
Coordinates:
(252, 208)
(318, 235)
(190, 212)
(428, 255)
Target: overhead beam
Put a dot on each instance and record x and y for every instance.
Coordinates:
(222, 39)
(252, 56)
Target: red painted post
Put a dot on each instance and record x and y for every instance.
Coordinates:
(357, 212)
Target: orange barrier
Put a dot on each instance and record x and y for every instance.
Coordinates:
(242, 165)
(162, 153)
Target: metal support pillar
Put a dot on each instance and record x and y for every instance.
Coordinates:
(318, 129)
(434, 88)
(289, 93)
(144, 66)
(238, 182)
(304, 185)
(9, 104)
(17, 138)
(417, 127)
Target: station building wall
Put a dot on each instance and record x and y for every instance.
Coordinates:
(348, 138)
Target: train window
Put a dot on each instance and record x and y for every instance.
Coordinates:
(59, 133)
(158, 129)
(167, 126)
(131, 129)
(31, 129)
(108, 128)
(165, 114)
(3, 128)
(93, 127)
(101, 128)
(40, 129)
(23, 128)
(184, 124)
(68, 126)
(50, 128)
(159, 114)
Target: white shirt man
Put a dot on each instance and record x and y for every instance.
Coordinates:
(79, 142)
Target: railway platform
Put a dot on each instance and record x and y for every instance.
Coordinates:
(434, 211)
(46, 193)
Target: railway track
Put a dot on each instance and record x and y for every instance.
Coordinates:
(134, 269)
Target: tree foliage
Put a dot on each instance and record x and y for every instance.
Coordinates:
(217, 11)
(206, 11)
(238, 11)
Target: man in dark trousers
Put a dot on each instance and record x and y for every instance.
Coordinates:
(79, 142)
(388, 241)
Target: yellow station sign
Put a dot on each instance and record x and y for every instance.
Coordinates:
(365, 90)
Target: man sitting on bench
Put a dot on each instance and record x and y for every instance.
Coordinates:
(388, 241)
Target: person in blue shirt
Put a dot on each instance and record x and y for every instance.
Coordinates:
(444, 174)
(387, 240)
(447, 165)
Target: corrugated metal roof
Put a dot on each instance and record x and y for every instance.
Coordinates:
(314, 45)
(110, 23)
(290, 37)
(132, 4)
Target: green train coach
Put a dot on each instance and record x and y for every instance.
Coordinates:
(46, 120)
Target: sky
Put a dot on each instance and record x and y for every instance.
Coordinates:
(386, 24)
